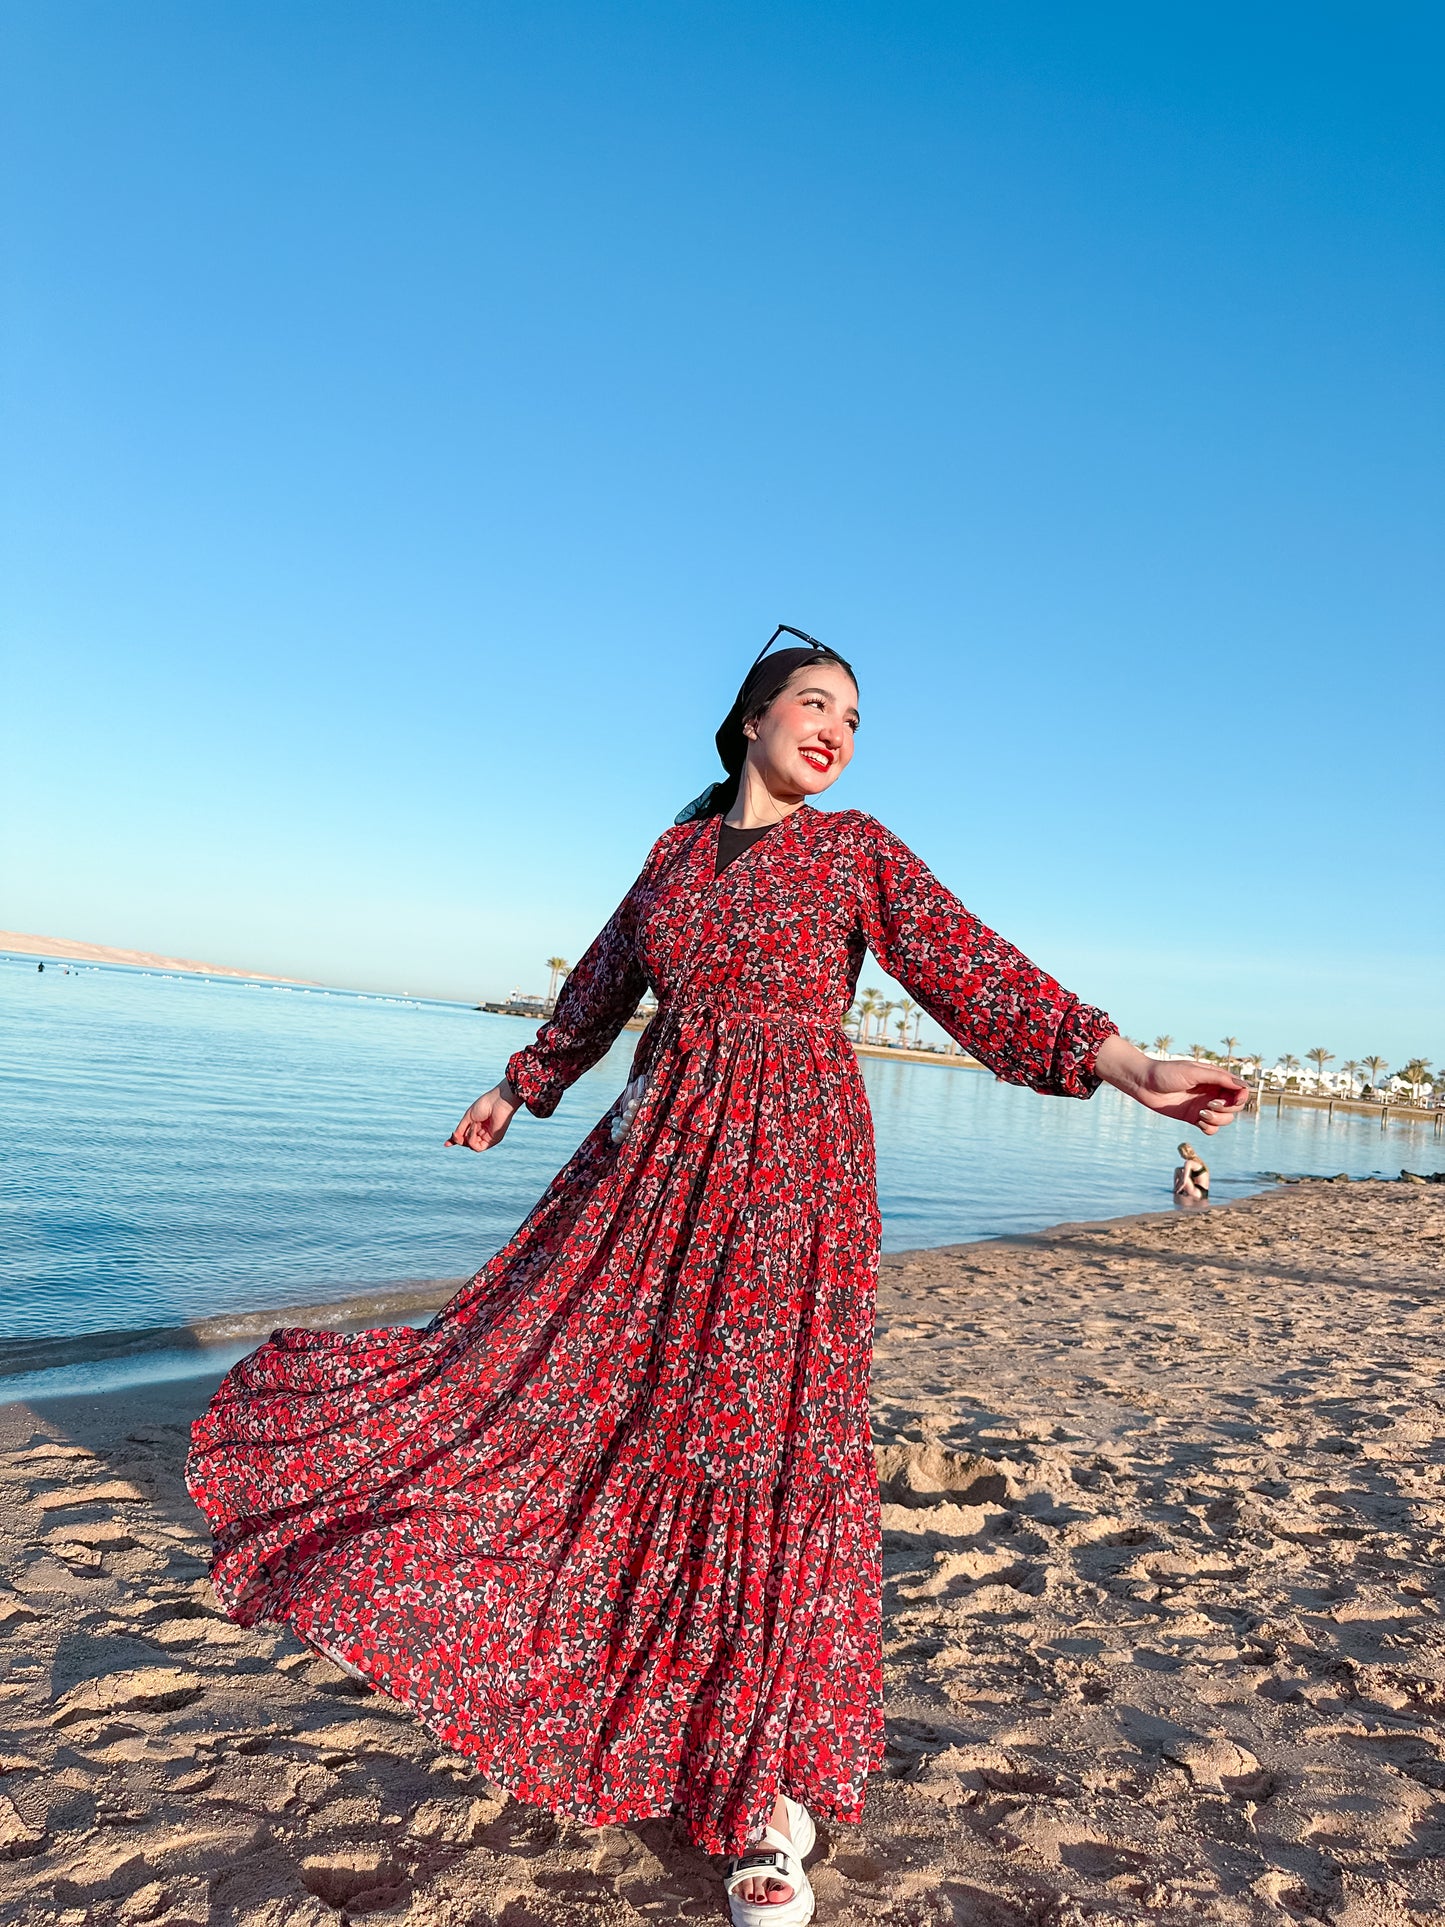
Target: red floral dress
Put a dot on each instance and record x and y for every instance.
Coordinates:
(609, 1525)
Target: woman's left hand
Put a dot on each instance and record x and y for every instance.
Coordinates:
(1204, 1095)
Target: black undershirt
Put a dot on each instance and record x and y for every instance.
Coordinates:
(731, 843)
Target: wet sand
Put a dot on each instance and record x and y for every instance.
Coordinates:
(1164, 1516)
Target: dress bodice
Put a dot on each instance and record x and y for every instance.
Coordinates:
(785, 928)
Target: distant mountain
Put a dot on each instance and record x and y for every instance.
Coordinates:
(67, 950)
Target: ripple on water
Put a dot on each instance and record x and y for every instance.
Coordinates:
(180, 1147)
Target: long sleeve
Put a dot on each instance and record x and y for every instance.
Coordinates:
(597, 999)
(1011, 1015)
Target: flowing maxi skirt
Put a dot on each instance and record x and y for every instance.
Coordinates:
(609, 1526)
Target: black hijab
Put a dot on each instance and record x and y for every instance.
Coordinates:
(767, 678)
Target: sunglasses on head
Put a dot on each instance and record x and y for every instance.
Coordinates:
(787, 629)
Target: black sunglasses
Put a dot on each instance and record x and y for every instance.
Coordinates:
(787, 629)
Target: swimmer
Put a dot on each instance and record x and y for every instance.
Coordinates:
(1191, 1179)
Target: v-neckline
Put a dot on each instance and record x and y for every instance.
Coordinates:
(746, 857)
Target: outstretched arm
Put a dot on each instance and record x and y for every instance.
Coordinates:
(1012, 1015)
(999, 1005)
(484, 1123)
(596, 1001)
(1198, 1094)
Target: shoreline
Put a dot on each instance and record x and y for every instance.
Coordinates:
(1385, 1109)
(116, 1359)
(24, 1356)
(1161, 1504)
(209, 1344)
(16, 947)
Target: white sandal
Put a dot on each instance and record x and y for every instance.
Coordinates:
(776, 1858)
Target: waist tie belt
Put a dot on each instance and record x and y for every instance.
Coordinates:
(672, 1012)
(675, 1014)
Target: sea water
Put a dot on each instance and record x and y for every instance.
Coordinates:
(176, 1147)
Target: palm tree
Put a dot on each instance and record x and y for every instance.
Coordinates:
(885, 1010)
(1196, 1051)
(1377, 1067)
(1319, 1057)
(872, 1007)
(905, 1007)
(1231, 1045)
(557, 965)
(1416, 1073)
(1349, 1067)
(1289, 1065)
(1163, 1046)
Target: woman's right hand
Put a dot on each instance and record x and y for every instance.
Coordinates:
(485, 1122)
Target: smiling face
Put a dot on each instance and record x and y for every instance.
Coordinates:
(803, 741)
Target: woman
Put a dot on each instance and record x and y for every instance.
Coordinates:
(1191, 1178)
(610, 1524)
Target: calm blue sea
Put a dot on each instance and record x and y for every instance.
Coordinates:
(176, 1147)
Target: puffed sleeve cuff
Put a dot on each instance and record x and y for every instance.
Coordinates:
(540, 1093)
(1075, 1049)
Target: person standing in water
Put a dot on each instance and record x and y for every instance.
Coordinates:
(609, 1525)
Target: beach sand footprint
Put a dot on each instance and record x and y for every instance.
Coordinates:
(1049, 1718)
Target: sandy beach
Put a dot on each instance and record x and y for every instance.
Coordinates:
(18, 943)
(1164, 1516)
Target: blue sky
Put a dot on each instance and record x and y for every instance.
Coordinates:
(418, 416)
